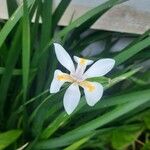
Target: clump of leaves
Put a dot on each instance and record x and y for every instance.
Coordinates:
(32, 117)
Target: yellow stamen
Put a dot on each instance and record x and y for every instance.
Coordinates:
(88, 85)
(82, 61)
(65, 77)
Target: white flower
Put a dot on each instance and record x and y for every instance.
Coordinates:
(77, 77)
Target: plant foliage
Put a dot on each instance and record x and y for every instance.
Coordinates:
(31, 117)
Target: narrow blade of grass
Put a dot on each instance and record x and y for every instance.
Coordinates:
(131, 51)
(59, 12)
(12, 22)
(8, 138)
(25, 47)
(45, 37)
(15, 72)
(10, 64)
(77, 144)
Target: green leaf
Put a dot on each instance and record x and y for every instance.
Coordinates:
(102, 80)
(146, 146)
(14, 115)
(146, 119)
(40, 113)
(54, 125)
(12, 22)
(36, 25)
(46, 34)
(124, 136)
(59, 12)
(25, 48)
(77, 144)
(59, 121)
(122, 77)
(131, 51)
(8, 138)
(11, 61)
(15, 72)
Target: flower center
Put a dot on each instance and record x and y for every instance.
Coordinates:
(74, 78)
(77, 78)
(70, 78)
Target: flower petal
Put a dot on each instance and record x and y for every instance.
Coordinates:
(93, 92)
(59, 79)
(82, 61)
(100, 68)
(71, 98)
(63, 57)
(81, 66)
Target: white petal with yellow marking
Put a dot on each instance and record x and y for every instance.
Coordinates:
(56, 82)
(100, 68)
(71, 98)
(93, 92)
(81, 66)
(82, 61)
(63, 57)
